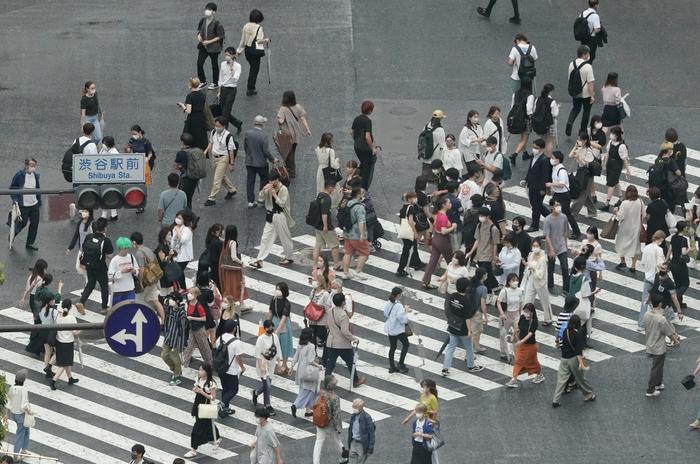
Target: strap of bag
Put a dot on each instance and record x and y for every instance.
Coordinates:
(226, 346)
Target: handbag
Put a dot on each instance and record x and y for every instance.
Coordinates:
(331, 174)
(226, 262)
(29, 420)
(314, 312)
(309, 373)
(621, 111)
(610, 229)
(670, 220)
(688, 381)
(207, 410)
(405, 232)
(138, 287)
(408, 330)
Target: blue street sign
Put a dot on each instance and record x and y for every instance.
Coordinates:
(131, 329)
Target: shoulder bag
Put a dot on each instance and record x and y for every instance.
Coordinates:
(408, 330)
(610, 230)
(329, 173)
(226, 262)
(405, 232)
(29, 420)
(283, 140)
(257, 51)
(312, 311)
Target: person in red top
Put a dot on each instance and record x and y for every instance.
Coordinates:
(198, 334)
(441, 241)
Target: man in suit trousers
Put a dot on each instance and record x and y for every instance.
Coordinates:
(539, 172)
(256, 144)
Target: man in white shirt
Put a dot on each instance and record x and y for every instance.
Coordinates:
(229, 378)
(469, 188)
(560, 191)
(228, 86)
(121, 272)
(587, 96)
(593, 18)
(492, 161)
(439, 145)
(223, 149)
(85, 142)
(514, 57)
(652, 258)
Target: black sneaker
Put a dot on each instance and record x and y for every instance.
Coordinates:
(482, 11)
(419, 266)
(52, 384)
(526, 156)
(567, 131)
(531, 229)
(403, 369)
(113, 219)
(294, 410)
(513, 158)
(605, 207)
(31, 246)
(229, 195)
(251, 92)
(209, 203)
(271, 411)
(255, 398)
(402, 274)
(392, 369)
(514, 20)
(72, 380)
(445, 372)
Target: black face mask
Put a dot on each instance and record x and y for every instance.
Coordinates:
(663, 273)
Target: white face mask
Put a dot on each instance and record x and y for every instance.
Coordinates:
(419, 415)
(219, 130)
(208, 13)
(178, 221)
(598, 125)
(553, 161)
(225, 305)
(475, 119)
(190, 297)
(536, 249)
(557, 209)
(514, 284)
(355, 411)
(84, 214)
(613, 137)
(482, 219)
(278, 293)
(435, 171)
(173, 304)
(590, 237)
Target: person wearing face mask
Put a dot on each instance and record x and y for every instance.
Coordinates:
(572, 363)
(534, 280)
(664, 287)
(522, 241)
(65, 341)
(422, 433)
(90, 110)
(234, 358)
(267, 353)
(203, 431)
(509, 259)
(630, 216)
(197, 316)
(657, 329)
(471, 139)
(556, 230)
(456, 269)
(230, 268)
(280, 314)
(452, 158)
(678, 256)
(560, 191)
(121, 272)
(82, 230)
(360, 433)
(492, 162)
(266, 447)
(146, 260)
(109, 147)
(487, 237)
(222, 150)
(652, 259)
(228, 87)
(616, 158)
(334, 429)
(526, 348)
(210, 37)
(308, 373)
(584, 155)
(493, 127)
(441, 245)
(340, 339)
(95, 250)
(436, 151)
(181, 243)
(29, 205)
(253, 41)
(544, 119)
(509, 303)
(278, 221)
(539, 173)
(174, 335)
(461, 309)
(138, 143)
(494, 202)
(396, 318)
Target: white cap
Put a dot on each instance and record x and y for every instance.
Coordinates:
(260, 119)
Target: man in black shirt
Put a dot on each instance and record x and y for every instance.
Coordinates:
(523, 242)
(99, 244)
(665, 288)
(572, 363)
(325, 232)
(460, 307)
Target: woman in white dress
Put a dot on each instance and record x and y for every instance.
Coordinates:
(630, 215)
(471, 140)
(509, 259)
(535, 280)
(325, 154)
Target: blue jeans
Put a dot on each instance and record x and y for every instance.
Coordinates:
(466, 343)
(645, 302)
(97, 135)
(22, 433)
(122, 296)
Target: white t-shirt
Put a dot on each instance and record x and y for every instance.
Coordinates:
(121, 271)
(108, 151)
(468, 145)
(439, 146)
(90, 148)
(492, 159)
(467, 190)
(586, 76)
(219, 147)
(515, 56)
(452, 159)
(66, 336)
(559, 174)
(235, 348)
(29, 183)
(454, 273)
(652, 257)
(182, 244)
(593, 20)
(512, 297)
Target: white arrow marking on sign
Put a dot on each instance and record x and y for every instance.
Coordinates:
(139, 319)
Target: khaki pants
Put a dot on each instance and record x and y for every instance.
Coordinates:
(278, 227)
(567, 368)
(477, 328)
(172, 359)
(543, 294)
(220, 165)
(357, 453)
(510, 322)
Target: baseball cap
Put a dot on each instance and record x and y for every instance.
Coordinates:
(439, 114)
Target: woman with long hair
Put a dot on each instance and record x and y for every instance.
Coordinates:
(526, 347)
(280, 312)
(549, 133)
(231, 267)
(678, 256)
(535, 280)
(139, 143)
(325, 155)
(90, 110)
(616, 158)
(509, 303)
(213, 244)
(471, 141)
(82, 230)
(65, 340)
(34, 281)
(410, 245)
(584, 154)
(308, 373)
(441, 245)
(428, 397)
(204, 430)
(612, 97)
(181, 243)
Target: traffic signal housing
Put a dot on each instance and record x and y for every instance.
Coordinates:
(110, 196)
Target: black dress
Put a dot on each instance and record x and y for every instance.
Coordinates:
(614, 165)
(678, 267)
(657, 218)
(202, 431)
(195, 124)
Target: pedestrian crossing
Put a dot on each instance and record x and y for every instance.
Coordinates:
(120, 401)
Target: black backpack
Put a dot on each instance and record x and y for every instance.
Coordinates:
(581, 30)
(459, 308)
(421, 220)
(219, 356)
(517, 117)
(526, 70)
(542, 118)
(313, 216)
(67, 163)
(471, 221)
(92, 252)
(657, 173)
(344, 216)
(575, 86)
(426, 147)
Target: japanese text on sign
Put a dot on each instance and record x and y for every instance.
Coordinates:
(109, 168)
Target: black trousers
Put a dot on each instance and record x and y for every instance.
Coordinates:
(229, 388)
(188, 186)
(227, 95)
(592, 44)
(96, 276)
(201, 58)
(580, 103)
(251, 172)
(406, 251)
(31, 215)
(320, 337)
(290, 162)
(367, 161)
(536, 198)
(516, 11)
(564, 200)
(393, 340)
(254, 63)
(346, 354)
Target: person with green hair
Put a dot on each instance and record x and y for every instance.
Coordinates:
(121, 272)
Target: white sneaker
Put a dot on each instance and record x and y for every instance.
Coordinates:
(512, 383)
(213, 86)
(539, 378)
(653, 395)
(640, 329)
(190, 454)
(345, 275)
(360, 275)
(661, 387)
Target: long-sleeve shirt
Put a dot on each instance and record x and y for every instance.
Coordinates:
(468, 145)
(176, 328)
(229, 77)
(396, 318)
(18, 399)
(121, 272)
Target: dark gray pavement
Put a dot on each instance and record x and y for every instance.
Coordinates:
(409, 57)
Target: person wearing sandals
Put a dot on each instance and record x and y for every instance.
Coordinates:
(441, 245)
(280, 314)
(203, 430)
(572, 363)
(308, 373)
(278, 221)
(526, 347)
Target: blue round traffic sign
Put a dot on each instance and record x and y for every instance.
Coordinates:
(131, 329)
